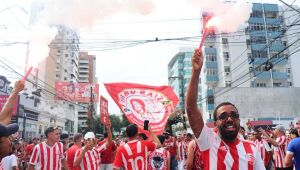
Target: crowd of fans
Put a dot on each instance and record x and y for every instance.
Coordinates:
(177, 152)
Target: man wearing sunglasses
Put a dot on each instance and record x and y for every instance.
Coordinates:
(222, 150)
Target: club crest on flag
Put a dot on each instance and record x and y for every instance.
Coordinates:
(142, 102)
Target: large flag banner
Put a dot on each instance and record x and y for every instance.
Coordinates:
(142, 102)
(78, 92)
(104, 117)
(3, 99)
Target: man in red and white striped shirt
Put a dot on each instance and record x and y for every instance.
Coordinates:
(280, 147)
(134, 154)
(223, 150)
(48, 155)
(262, 146)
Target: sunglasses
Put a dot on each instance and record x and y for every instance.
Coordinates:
(232, 115)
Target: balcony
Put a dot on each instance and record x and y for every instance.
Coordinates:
(257, 33)
(258, 61)
(256, 7)
(265, 75)
(253, 20)
(279, 61)
(211, 64)
(271, 8)
(276, 47)
(259, 47)
(210, 51)
(210, 78)
(273, 21)
(274, 34)
(279, 75)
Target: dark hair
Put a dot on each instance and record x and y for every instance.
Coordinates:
(189, 135)
(105, 135)
(131, 130)
(64, 136)
(50, 129)
(220, 105)
(161, 139)
(78, 136)
(243, 128)
(143, 135)
(295, 132)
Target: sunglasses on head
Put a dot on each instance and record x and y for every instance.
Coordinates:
(225, 116)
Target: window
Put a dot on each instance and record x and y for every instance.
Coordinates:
(290, 83)
(227, 69)
(212, 71)
(277, 84)
(210, 99)
(65, 78)
(228, 84)
(224, 41)
(289, 70)
(67, 55)
(256, 14)
(211, 57)
(66, 70)
(261, 85)
(57, 76)
(226, 56)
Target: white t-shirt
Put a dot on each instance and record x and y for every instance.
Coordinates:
(9, 162)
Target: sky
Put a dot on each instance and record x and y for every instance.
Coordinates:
(145, 64)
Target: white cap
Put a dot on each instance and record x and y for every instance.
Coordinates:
(89, 135)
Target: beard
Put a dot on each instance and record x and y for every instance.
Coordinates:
(228, 135)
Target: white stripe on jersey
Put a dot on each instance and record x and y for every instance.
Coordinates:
(128, 150)
(220, 155)
(139, 147)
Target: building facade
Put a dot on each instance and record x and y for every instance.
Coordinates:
(254, 57)
(87, 72)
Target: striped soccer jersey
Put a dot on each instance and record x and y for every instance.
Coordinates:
(264, 149)
(133, 155)
(91, 159)
(182, 150)
(46, 157)
(217, 154)
(279, 152)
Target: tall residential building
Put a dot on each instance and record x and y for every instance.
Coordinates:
(87, 74)
(239, 59)
(60, 66)
(179, 73)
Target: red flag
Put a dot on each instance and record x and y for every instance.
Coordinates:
(104, 117)
(142, 102)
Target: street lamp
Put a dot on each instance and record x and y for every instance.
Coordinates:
(182, 98)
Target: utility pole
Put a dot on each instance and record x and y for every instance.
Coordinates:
(91, 111)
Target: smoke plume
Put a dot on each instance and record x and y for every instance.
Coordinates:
(231, 15)
(76, 14)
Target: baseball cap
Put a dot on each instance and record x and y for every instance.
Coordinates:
(8, 130)
(89, 135)
(279, 127)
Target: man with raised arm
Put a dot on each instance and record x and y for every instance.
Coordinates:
(223, 150)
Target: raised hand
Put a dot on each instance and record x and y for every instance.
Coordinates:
(197, 60)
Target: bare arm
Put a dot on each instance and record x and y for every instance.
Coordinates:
(65, 164)
(5, 115)
(190, 156)
(271, 140)
(194, 114)
(288, 160)
(109, 137)
(154, 138)
(169, 158)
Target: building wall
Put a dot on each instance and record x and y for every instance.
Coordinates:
(256, 103)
